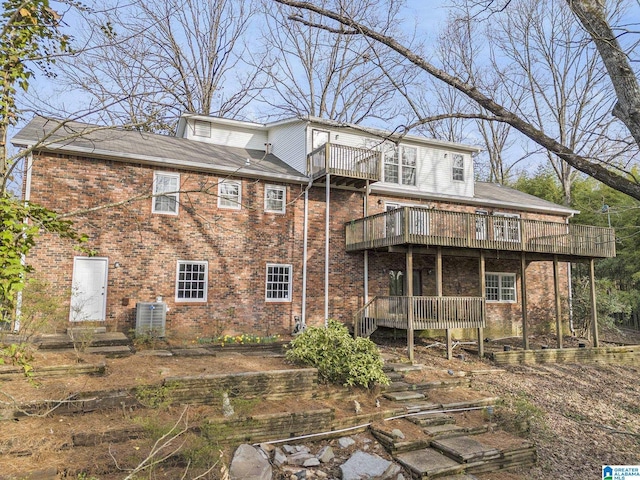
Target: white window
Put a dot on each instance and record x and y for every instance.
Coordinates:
(506, 227)
(165, 193)
(458, 167)
(409, 155)
(278, 283)
(229, 194)
(191, 281)
(391, 167)
(500, 287)
(275, 198)
(202, 128)
(400, 164)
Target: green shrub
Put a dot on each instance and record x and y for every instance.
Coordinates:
(338, 357)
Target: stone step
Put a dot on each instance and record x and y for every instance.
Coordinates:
(428, 419)
(403, 396)
(395, 376)
(445, 431)
(118, 351)
(402, 367)
(398, 386)
(454, 382)
(464, 449)
(429, 463)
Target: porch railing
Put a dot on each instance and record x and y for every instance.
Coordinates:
(427, 313)
(420, 226)
(345, 161)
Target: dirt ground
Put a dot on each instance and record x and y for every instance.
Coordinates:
(579, 416)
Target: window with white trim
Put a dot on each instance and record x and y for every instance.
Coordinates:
(167, 184)
(229, 194)
(191, 281)
(278, 285)
(409, 158)
(275, 198)
(500, 287)
(458, 167)
(506, 227)
(400, 164)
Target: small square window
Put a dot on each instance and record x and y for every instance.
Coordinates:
(165, 193)
(275, 198)
(278, 286)
(191, 281)
(458, 167)
(229, 194)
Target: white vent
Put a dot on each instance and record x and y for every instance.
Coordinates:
(151, 318)
(202, 129)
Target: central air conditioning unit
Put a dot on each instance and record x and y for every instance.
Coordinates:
(151, 318)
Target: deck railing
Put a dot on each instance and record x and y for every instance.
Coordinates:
(427, 313)
(345, 161)
(421, 226)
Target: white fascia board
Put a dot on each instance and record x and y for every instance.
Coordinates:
(225, 121)
(169, 162)
(387, 190)
(394, 136)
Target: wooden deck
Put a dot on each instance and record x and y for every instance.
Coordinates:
(421, 226)
(345, 165)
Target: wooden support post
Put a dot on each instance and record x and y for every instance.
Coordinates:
(556, 284)
(409, 261)
(594, 310)
(523, 284)
(439, 294)
(483, 288)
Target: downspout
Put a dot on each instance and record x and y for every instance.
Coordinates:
(305, 236)
(366, 252)
(28, 162)
(326, 250)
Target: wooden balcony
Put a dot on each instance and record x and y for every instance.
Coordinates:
(345, 165)
(424, 313)
(420, 226)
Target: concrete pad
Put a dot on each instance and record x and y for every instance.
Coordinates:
(403, 396)
(465, 449)
(429, 463)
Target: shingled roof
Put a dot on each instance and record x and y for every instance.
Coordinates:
(143, 147)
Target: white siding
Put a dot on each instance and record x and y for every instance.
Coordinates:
(288, 144)
(230, 136)
(434, 169)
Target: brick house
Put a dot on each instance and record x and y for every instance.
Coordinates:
(242, 227)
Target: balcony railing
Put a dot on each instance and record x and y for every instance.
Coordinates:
(438, 313)
(420, 226)
(344, 161)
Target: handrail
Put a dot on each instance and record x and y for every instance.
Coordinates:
(421, 226)
(357, 317)
(346, 161)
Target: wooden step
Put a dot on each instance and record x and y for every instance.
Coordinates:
(63, 341)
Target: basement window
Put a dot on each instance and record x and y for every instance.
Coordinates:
(500, 287)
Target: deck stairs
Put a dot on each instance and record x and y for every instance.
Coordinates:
(447, 431)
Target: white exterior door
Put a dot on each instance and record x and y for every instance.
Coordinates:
(89, 289)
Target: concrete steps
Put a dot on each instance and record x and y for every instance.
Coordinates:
(451, 439)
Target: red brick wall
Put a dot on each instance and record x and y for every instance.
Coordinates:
(238, 244)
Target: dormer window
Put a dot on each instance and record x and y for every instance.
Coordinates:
(458, 167)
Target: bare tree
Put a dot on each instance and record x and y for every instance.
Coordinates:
(314, 72)
(588, 12)
(151, 60)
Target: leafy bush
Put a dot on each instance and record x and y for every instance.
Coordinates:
(338, 357)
